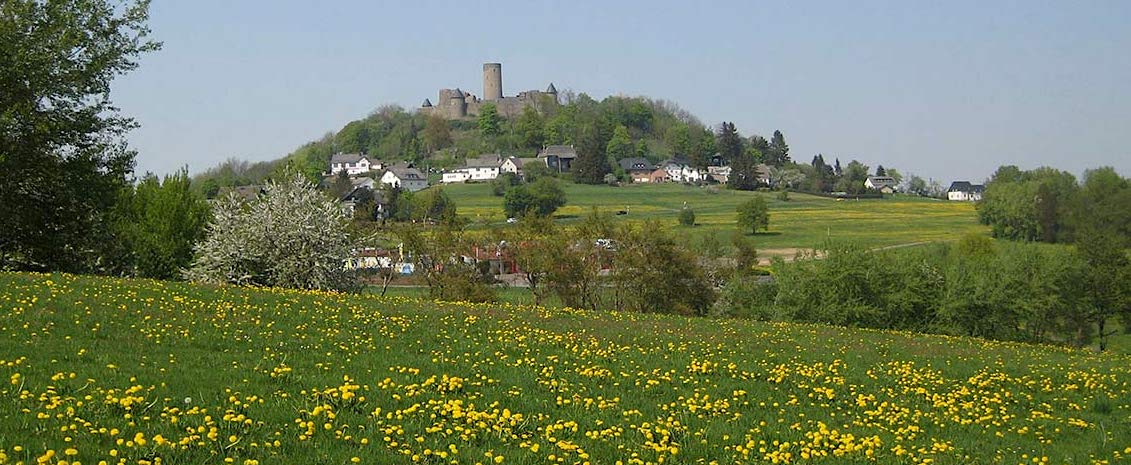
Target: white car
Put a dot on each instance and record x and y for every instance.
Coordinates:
(512, 220)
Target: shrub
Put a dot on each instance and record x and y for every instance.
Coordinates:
(686, 217)
(289, 236)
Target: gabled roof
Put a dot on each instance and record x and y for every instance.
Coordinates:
(636, 164)
(560, 151)
(483, 161)
(347, 158)
(961, 186)
(881, 180)
(675, 161)
(406, 172)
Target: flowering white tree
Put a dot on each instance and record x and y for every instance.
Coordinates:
(291, 236)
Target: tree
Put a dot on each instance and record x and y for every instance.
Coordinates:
(440, 260)
(289, 236)
(542, 198)
(777, 154)
(754, 214)
(686, 216)
(880, 170)
(530, 128)
(158, 223)
(503, 182)
(653, 274)
(62, 146)
(591, 164)
(743, 173)
(437, 133)
(620, 145)
(729, 142)
(917, 185)
(433, 205)
(490, 123)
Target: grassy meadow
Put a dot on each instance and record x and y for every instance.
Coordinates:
(803, 222)
(100, 370)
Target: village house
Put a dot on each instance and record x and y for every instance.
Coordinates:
(680, 170)
(405, 177)
(484, 168)
(353, 164)
(964, 191)
(514, 165)
(658, 175)
(719, 174)
(558, 158)
(885, 184)
(637, 168)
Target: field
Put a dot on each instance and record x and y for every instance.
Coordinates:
(143, 372)
(803, 222)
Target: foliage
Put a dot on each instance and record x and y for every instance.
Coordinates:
(62, 146)
(729, 142)
(530, 127)
(686, 216)
(157, 223)
(442, 257)
(437, 133)
(290, 236)
(591, 164)
(490, 123)
(433, 205)
(777, 153)
(503, 182)
(754, 214)
(652, 274)
(542, 198)
(620, 145)
(1028, 205)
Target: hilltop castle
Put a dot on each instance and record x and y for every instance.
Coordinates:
(456, 104)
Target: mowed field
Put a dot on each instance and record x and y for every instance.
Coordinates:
(99, 370)
(803, 222)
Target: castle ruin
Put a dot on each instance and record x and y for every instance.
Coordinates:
(458, 104)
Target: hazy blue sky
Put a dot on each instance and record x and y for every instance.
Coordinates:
(948, 90)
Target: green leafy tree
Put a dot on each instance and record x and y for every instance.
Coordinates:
(437, 133)
(686, 216)
(620, 145)
(530, 128)
(729, 142)
(743, 173)
(654, 274)
(754, 214)
(433, 205)
(591, 164)
(490, 123)
(62, 146)
(158, 223)
(541, 198)
(777, 154)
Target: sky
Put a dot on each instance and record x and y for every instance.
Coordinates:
(946, 90)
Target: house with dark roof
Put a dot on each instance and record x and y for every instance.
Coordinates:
(353, 164)
(405, 177)
(885, 184)
(964, 191)
(638, 169)
(558, 157)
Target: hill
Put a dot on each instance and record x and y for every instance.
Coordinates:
(153, 372)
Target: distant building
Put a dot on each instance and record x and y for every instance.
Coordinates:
(964, 191)
(719, 174)
(637, 168)
(558, 158)
(883, 184)
(405, 177)
(514, 165)
(680, 170)
(457, 104)
(352, 163)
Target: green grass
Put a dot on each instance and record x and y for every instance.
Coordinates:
(136, 371)
(803, 222)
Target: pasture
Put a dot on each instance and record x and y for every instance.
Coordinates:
(803, 222)
(100, 370)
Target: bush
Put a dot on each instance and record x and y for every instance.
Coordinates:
(290, 236)
(686, 217)
(542, 197)
(783, 195)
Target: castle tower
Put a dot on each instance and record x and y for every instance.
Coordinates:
(492, 81)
